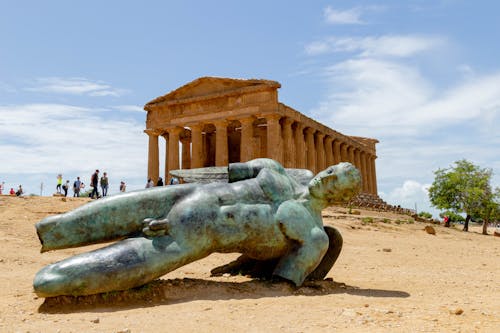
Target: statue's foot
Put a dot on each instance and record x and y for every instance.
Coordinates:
(154, 228)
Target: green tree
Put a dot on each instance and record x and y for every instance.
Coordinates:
(465, 188)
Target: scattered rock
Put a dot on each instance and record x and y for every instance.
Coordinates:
(430, 230)
(458, 311)
(496, 232)
(95, 321)
(127, 330)
(387, 250)
(64, 199)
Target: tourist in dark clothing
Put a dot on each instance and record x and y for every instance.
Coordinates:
(104, 184)
(94, 182)
(160, 182)
(65, 187)
(76, 187)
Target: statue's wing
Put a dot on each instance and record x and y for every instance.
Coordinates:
(220, 174)
(202, 175)
(301, 176)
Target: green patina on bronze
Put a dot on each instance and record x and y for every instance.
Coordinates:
(263, 212)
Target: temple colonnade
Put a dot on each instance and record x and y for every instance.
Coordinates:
(216, 121)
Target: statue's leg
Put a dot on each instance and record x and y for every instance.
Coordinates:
(311, 242)
(245, 265)
(331, 255)
(108, 219)
(123, 265)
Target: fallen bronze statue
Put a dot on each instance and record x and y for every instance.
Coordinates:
(271, 216)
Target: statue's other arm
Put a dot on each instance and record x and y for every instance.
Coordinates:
(250, 169)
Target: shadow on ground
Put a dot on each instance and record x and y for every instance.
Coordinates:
(161, 292)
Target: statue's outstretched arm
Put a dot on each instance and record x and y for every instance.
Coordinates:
(108, 219)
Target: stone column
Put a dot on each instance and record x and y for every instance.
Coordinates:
(311, 151)
(221, 153)
(196, 146)
(350, 154)
(186, 153)
(165, 136)
(320, 152)
(288, 146)
(173, 149)
(343, 152)
(300, 147)
(364, 174)
(153, 155)
(329, 151)
(374, 174)
(274, 148)
(336, 151)
(246, 143)
(357, 160)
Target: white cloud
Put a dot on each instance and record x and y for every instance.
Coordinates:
(75, 86)
(389, 45)
(348, 16)
(45, 139)
(411, 194)
(129, 108)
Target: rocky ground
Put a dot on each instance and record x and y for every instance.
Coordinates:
(391, 276)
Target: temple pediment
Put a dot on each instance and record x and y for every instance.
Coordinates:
(213, 86)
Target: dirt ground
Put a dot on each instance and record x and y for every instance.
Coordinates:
(391, 276)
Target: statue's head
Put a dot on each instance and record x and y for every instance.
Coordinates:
(336, 184)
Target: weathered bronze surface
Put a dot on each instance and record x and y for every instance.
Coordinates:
(263, 213)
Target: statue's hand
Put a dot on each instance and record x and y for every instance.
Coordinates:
(153, 227)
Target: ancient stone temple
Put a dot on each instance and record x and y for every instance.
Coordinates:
(214, 121)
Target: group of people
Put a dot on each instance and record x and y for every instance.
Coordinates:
(150, 183)
(12, 192)
(95, 183)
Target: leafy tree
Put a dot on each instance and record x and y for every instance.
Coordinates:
(425, 215)
(465, 188)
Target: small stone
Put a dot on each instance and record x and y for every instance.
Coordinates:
(458, 311)
(366, 305)
(95, 321)
(226, 275)
(430, 230)
(387, 250)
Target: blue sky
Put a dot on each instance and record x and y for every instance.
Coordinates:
(423, 77)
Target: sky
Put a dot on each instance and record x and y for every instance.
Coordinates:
(422, 77)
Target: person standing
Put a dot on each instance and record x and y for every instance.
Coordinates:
(76, 187)
(2, 186)
(160, 182)
(19, 191)
(123, 187)
(94, 182)
(65, 187)
(104, 184)
(150, 183)
(59, 183)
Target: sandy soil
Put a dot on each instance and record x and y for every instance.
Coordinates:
(391, 276)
